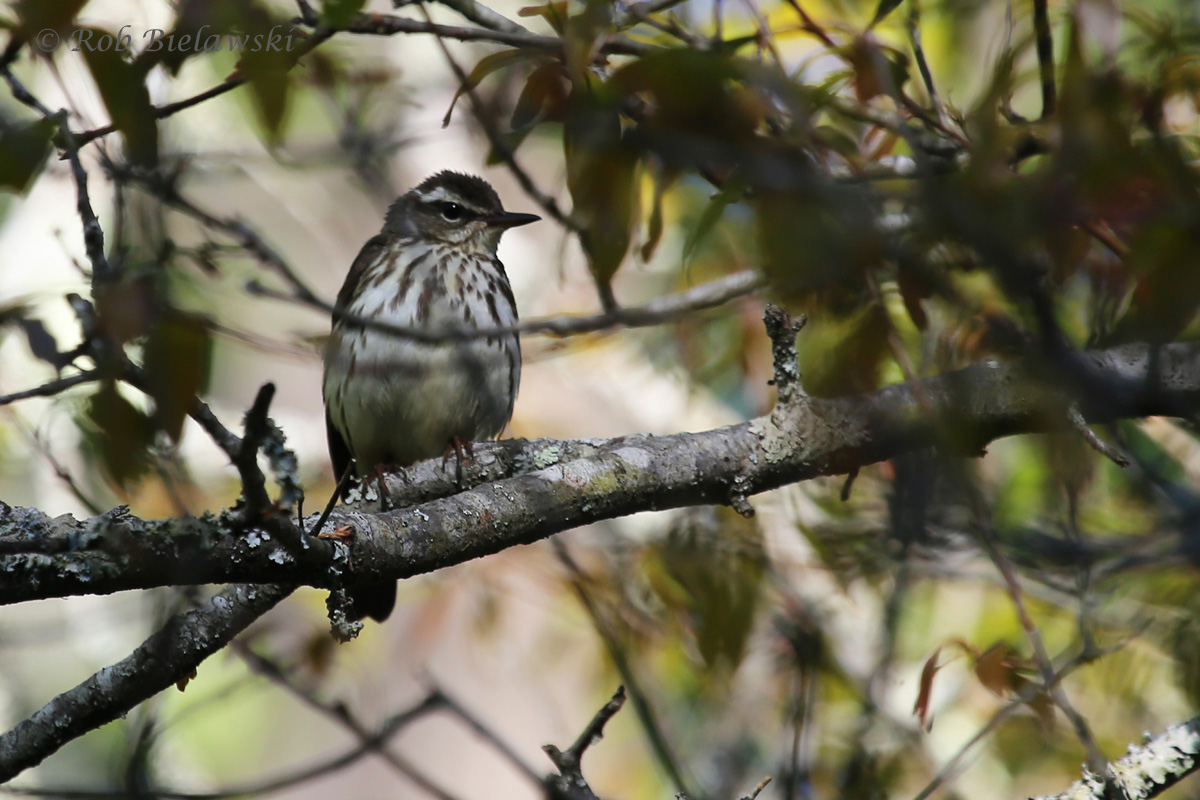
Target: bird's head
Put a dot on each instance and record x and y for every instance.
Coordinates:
(456, 209)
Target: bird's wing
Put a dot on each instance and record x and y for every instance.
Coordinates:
(339, 451)
(367, 256)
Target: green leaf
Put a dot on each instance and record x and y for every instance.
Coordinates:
(731, 192)
(584, 33)
(339, 12)
(23, 153)
(486, 66)
(37, 15)
(710, 571)
(601, 174)
(123, 88)
(554, 13)
(177, 361)
(544, 97)
(267, 73)
(843, 356)
(663, 179)
(884, 8)
(120, 433)
(1166, 256)
(689, 94)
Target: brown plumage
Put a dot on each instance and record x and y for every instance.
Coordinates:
(392, 401)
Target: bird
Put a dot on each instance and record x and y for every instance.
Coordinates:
(391, 400)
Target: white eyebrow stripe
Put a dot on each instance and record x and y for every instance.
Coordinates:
(435, 195)
(440, 195)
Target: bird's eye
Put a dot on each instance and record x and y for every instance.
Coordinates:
(452, 212)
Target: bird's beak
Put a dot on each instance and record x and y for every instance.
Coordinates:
(508, 219)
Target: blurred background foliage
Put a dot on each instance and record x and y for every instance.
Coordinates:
(931, 183)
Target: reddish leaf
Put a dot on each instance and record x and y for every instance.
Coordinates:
(921, 706)
(126, 308)
(877, 69)
(994, 669)
(182, 683)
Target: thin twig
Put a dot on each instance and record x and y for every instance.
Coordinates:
(1045, 54)
(570, 783)
(388, 25)
(450, 704)
(573, 755)
(659, 311)
(480, 14)
(53, 387)
(914, 38)
(1095, 442)
(258, 428)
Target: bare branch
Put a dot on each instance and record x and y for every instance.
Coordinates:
(570, 783)
(1045, 54)
(659, 311)
(52, 388)
(481, 15)
(165, 658)
(389, 25)
(1095, 442)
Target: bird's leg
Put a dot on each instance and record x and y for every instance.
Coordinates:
(385, 498)
(459, 446)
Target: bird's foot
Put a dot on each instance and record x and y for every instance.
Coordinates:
(341, 534)
(461, 448)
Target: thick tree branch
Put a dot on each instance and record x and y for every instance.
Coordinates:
(524, 491)
(1146, 771)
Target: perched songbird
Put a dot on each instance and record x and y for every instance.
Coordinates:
(391, 401)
